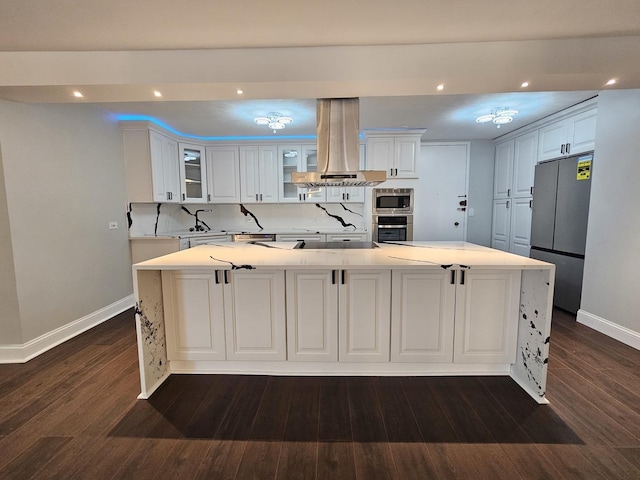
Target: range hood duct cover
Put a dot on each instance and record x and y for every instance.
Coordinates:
(338, 148)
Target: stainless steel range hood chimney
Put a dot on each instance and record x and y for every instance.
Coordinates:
(338, 121)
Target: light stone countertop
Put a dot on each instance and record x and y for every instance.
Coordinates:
(281, 255)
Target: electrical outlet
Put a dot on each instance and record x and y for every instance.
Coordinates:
(113, 225)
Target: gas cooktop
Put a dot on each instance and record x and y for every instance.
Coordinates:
(340, 245)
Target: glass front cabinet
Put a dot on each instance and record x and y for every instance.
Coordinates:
(298, 158)
(193, 173)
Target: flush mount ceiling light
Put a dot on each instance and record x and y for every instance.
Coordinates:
(499, 116)
(274, 120)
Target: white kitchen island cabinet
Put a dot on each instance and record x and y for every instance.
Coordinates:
(417, 308)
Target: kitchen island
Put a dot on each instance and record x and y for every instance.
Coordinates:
(411, 308)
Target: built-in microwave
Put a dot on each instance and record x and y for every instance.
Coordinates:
(392, 201)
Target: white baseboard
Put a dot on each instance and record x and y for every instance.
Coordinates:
(33, 348)
(610, 329)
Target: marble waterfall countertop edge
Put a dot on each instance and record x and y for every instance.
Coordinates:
(283, 255)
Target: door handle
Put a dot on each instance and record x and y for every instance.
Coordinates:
(342, 277)
(530, 203)
(256, 197)
(215, 276)
(562, 149)
(348, 196)
(226, 276)
(208, 197)
(453, 277)
(461, 277)
(568, 148)
(507, 203)
(260, 197)
(184, 197)
(333, 277)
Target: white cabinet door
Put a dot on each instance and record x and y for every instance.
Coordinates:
(193, 173)
(365, 309)
(501, 224)
(194, 316)
(520, 228)
(486, 320)
(583, 129)
(289, 161)
(380, 154)
(552, 139)
(249, 174)
(312, 315)
(254, 303)
(223, 174)
(165, 168)
(258, 174)
(503, 173)
(525, 158)
(407, 151)
(422, 316)
(268, 170)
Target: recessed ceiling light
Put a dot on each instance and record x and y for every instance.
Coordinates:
(239, 91)
(613, 81)
(77, 94)
(524, 85)
(157, 93)
(440, 87)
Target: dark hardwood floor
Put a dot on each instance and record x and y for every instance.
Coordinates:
(72, 413)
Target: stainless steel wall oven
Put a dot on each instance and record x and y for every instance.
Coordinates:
(392, 214)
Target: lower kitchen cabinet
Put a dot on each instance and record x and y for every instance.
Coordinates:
(364, 315)
(194, 315)
(464, 316)
(210, 313)
(312, 315)
(422, 316)
(487, 303)
(352, 305)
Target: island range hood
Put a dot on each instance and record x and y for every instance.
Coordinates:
(338, 125)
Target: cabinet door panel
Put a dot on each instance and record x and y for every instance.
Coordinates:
(380, 153)
(503, 170)
(365, 309)
(223, 174)
(551, 138)
(584, 132)
(249, 174)
(520, 231)
(194, 316)
(193, 173)
(486, 320)
(501, 224)
(255, 328)
(268, 172)
(423, 307)
(524, 161)
(312, 316)
(407, 153)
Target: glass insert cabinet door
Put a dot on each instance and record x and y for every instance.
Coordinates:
(298, 158)
(193, 173)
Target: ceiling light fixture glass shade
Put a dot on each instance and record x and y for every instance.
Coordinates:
(499, 116)
(274, 120)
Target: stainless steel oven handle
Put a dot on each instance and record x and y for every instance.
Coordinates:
(392, 226)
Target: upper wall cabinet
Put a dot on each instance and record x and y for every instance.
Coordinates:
(297, 158)
(571, 135)
(223, 174)
(514, 166)
(397, 155)
(193, 173)
(258, 174)
(151, 163)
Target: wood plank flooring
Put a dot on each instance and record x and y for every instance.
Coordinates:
(72, 413)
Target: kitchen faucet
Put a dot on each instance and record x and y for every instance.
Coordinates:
(198, 227)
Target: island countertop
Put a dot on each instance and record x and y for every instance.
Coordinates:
(283, 255)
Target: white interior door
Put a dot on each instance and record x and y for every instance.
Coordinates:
(438, 212)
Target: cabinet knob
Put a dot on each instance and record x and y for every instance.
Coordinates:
(456, 224)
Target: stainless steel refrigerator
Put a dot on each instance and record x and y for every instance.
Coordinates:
(561, 194)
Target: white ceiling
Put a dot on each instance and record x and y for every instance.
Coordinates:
(390, 54)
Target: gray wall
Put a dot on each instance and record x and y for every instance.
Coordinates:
(10, 331)
(611, 288)
(64, 180)
(481, 165)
